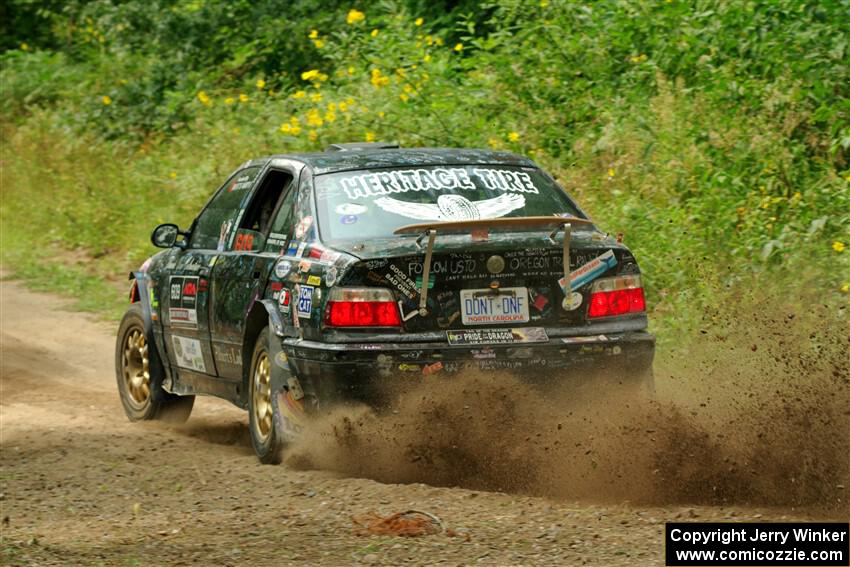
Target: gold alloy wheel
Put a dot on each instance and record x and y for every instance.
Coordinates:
(136, 368)
(262, 398)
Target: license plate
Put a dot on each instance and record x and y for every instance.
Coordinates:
(483, 307)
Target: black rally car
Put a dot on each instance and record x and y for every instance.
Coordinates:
(311, 279)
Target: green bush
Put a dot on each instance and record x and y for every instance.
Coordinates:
(715, 135)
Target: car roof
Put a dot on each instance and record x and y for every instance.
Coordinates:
(349, 160)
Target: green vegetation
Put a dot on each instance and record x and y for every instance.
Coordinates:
(715, 135)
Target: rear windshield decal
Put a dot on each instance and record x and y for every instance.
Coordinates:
(453, 208)
(439, 179)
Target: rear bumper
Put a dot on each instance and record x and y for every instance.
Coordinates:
(354, 371)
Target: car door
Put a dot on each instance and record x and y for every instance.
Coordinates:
(241, 271)
(185, 292)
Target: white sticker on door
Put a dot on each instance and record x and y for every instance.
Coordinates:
(188, 353)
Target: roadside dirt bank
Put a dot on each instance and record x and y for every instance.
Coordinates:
(79, 485)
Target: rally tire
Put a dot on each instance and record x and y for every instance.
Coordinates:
(139, 373)
(261, 422)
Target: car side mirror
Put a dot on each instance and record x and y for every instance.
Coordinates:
(165, 235)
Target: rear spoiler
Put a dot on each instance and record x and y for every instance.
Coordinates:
(430, 230)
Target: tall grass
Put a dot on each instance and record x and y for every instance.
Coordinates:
(685, 126)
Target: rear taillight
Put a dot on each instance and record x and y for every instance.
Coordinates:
(361, 307)
(610, 297)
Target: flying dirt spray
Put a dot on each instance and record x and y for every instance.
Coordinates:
(752, 414)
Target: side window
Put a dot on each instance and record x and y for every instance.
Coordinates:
(283, 223)
(215, 222)
(256, 222)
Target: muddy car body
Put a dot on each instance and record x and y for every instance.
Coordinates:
(314, 279)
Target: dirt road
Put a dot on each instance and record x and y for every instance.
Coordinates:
(82, 486)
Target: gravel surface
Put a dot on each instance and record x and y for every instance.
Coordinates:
(80, 485)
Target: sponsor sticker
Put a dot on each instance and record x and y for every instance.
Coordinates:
(432, 368)
(302, 227)
(454, 207)
(497, 336)
(301, 247)
(284, 300)
(591, 270)
(282, 269)
(350, 209)
(282, 360)
(183, 297)
(305, 300)
(348, 219)
(572, 302)
(330, 276)
(314, 280)
(183, 317)
(188, 354)
(436, 179)
(590, 339)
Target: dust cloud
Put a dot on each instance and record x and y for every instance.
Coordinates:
(755, 411)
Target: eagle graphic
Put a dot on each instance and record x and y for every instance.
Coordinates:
(454, 207)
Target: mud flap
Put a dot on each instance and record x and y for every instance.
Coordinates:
(286, 394)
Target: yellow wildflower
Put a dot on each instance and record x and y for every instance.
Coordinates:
(378, 79)
(296, 130)
(25, 47)
(343, 106)
(838, 246)
(330, 116)
(544, 3)
(419, 21)
(374, 32)
(229, 100)
(299, 94)
(847, 179)
(204, 98)
(314, 34)
(427, 58)
(513, 136)
(316, 97)
(429, 40)
(354, 16)
(845, 288)
(494, 143)
(314, 118)
(173, 175)
(285, 128)
(106, 100)
(243, 97)
(458, 47)
(309, 75)
(370, 136)
(313, 135)
(294, 120)
(611, 172)
(349, 101)
(319, 43)
(439, 41)
(261, 84)
(403, 97)
(381, 114)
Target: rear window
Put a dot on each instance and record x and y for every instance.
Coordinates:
(356, 205)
